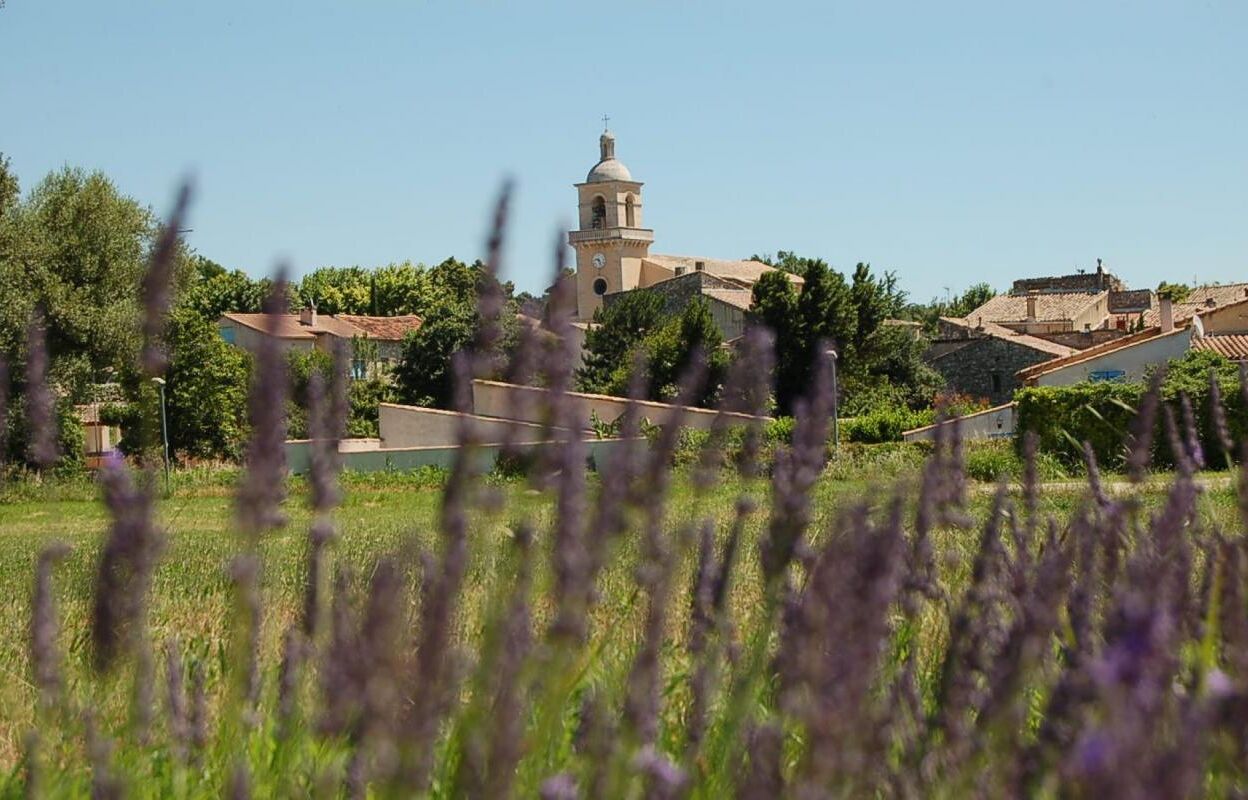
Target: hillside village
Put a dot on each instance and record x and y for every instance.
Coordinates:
(400, 326)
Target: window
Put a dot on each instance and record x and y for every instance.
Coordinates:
(359, 370)
(228, 335)
(598, 217)
(996, 383)
(629, 218)
(600, 286)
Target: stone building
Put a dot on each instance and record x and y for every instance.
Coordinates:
(983, 360)
(1079, 311)
(613, 251)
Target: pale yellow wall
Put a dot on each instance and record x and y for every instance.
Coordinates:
(248, 338)
(509, 401)
(1134, 361)
(652, 273)
(411, 426)
(1228, 319)
(991, 423)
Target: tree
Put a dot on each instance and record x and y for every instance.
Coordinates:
(424, 375)
(670, 350)
(1177, 292)
(212, 293)
(10, 190)
(207, 387)
(618, 329)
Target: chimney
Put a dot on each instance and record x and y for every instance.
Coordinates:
(307, 315)
(699, 265)
(1166, 310)
(1031, 308)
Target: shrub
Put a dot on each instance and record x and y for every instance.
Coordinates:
(885, 424)
(1063, 417)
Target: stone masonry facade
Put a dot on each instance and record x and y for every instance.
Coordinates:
(986, 367)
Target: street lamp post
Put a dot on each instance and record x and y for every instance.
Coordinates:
(836, 402)
(164, 428)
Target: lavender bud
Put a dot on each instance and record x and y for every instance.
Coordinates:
(40, 413)
(157, 285)
(45, 655)
(263, 487)
(179, 719)
(559, 787)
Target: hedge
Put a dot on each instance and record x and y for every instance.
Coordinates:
(1101, 413)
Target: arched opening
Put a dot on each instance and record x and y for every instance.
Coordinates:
(598, 214)
(600, 286)
(629, 217)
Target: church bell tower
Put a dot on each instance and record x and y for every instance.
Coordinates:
(610, 242)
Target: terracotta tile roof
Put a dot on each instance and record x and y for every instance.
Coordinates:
(745, 272)
(1232, 345)
(1001, 332)
(287, 326)
(1080, 356)
(1202, 299)
(737, 298)
(1050, 306)
(386, 329)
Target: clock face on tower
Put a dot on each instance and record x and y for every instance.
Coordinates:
(600, 260)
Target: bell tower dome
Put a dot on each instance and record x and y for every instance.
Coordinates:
(610, 242)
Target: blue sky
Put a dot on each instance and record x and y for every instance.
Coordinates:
(949, 142)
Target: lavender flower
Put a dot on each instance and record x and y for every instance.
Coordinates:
(175, 698)
(157, 284)
(1140, 437)
(40, 415)
(45, 656)
(796, 470)
(1217, 411)
(1194, 449)
(126, 564)
(559, 787)
(764, 778)
(262, 490)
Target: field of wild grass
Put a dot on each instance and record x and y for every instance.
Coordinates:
(193, 603)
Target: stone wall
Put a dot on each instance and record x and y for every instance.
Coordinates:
(986, 368)
(1098, 281)
(679, 291)
(1082, 340)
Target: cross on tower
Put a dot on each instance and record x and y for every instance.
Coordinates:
(605, 120)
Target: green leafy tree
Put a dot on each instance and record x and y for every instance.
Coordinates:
(670, 349)
(338, 290)
(618, 330)
(424, 375)
(1177, 292)
(207, 387)
(78, 248)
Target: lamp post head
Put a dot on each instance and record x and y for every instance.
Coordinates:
(158, 381)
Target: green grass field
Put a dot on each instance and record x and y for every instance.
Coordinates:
(193, 600)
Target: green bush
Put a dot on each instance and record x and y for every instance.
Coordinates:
(1101, 413)
(988, 460)
(884, 424)
(1063, 417)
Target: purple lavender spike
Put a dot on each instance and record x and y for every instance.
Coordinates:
(40, 412)
(126, 564)
(157, 286)
(559, 787)
(45, 655)
(175, 697)
(1194, 449)
(261, 492)
(1217, 411)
